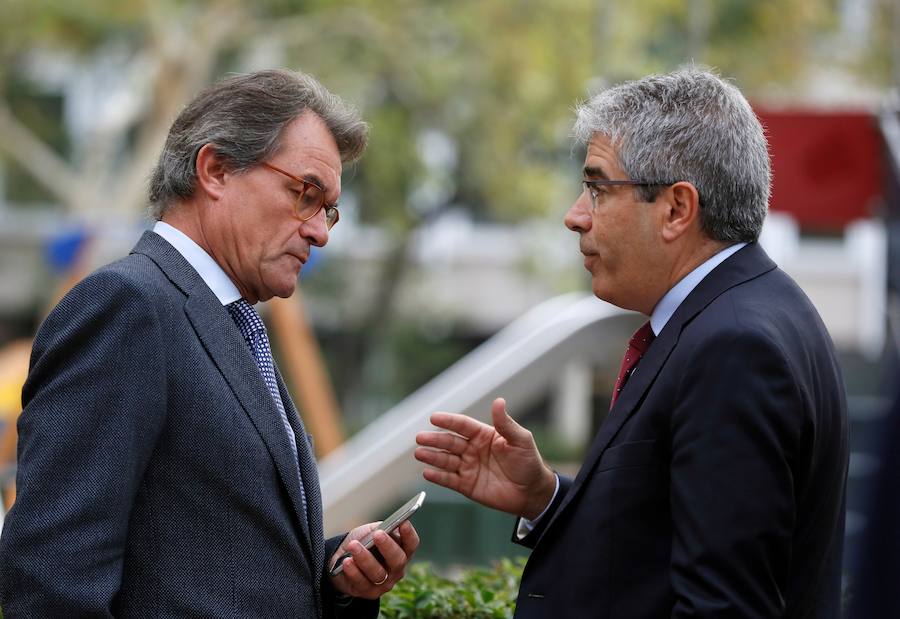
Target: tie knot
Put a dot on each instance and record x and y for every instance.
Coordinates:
(246, 317)
(642, 338)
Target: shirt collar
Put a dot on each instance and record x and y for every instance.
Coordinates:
(679, 292)
(206, 267)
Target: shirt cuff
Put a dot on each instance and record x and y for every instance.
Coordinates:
(526, 526)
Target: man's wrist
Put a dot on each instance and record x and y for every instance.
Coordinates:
(543, 497)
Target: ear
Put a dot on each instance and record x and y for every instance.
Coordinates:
(682, 210)
(212, 173)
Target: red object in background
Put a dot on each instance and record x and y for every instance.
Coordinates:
(826, 166)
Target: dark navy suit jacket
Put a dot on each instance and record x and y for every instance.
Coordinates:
(155, 477)
(716, 485)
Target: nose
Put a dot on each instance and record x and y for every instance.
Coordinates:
(315, 230)
(578, 217)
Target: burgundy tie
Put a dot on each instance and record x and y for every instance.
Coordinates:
(637, 346)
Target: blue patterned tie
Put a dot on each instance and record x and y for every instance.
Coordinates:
(254, 332)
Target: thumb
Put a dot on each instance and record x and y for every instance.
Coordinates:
(506, 425)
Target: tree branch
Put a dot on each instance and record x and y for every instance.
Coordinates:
(47, 167)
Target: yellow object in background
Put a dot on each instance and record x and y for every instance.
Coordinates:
(13, 371)
(14, 358)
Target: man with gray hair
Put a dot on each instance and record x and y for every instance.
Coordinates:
(163, 470)
(715, 486)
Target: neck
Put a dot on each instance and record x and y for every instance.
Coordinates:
(682, 261)
(187, 218)
(691, 258)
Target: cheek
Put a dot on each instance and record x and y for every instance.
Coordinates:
(646, 237)
(264, 257)
(276, 239)
(278, 248)
(604, 237)
(618, 243)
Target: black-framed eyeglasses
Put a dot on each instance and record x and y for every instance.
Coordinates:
(592, 187)
(310, 200)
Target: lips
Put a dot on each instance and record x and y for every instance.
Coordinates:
(297, 266)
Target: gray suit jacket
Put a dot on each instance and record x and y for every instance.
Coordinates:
(155, 477)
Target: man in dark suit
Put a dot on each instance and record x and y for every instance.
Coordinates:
(163, 470)
(715, 487)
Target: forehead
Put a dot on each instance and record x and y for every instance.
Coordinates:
(602, 158)
(307, 147)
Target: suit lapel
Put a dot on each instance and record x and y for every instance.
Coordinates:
(747, 263)
(626, 405)
(310, 476)
(229, 352)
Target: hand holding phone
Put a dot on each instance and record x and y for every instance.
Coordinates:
(388, 525)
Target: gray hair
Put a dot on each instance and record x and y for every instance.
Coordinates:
(689, 125)
(243, 116)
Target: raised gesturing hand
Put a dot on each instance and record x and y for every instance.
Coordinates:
(498, 466)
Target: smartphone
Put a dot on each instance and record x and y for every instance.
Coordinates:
(387, 525)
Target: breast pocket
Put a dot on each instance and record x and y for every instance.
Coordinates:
(631, 454)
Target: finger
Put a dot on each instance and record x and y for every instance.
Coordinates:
(461, 424)
(442, 478)
(358, 533)
(333, 562)
(438, 459)
(506, 425)
(367, 563)
(367, 528)
(443, 440)
(394, 556)
(351, 573)
(355, 582)
(409, 539)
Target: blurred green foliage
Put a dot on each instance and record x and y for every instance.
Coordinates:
(475, 594)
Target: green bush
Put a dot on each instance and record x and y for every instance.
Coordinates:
(477, 593)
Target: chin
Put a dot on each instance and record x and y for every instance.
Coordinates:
(281, 283)
(605, 295)
(285, 292)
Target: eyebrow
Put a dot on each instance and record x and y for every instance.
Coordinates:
(312, 178)
(315, 180)
(592, 172)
